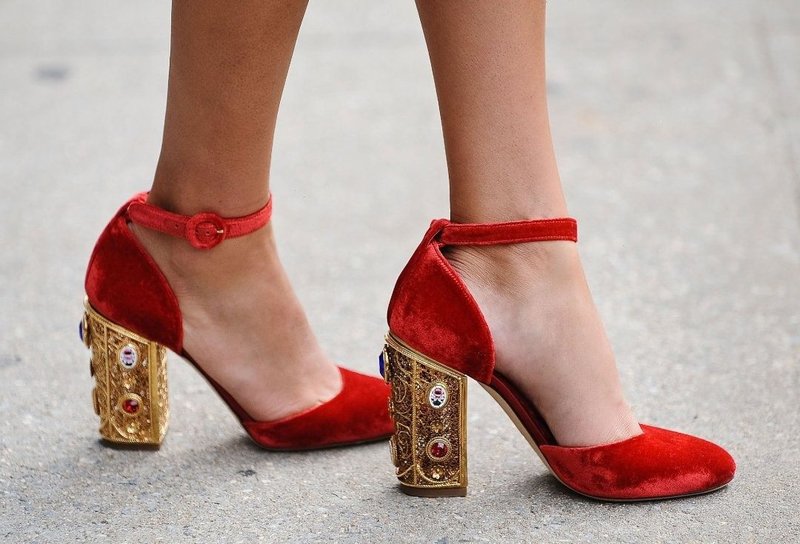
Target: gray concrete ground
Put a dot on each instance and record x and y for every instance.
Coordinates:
(678, 131)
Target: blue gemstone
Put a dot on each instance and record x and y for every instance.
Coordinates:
(80, 330)
(380, 364)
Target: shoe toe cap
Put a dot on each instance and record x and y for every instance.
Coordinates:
(359, 413)
(659, 463)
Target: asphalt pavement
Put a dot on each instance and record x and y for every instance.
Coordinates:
(677, 126)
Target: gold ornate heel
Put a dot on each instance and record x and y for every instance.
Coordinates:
(130, 372)
(429, 408)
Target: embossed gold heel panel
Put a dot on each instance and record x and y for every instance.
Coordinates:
(428, 405)
(130, 373)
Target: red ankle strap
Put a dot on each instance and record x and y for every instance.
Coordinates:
(511, 232)
(203, 230)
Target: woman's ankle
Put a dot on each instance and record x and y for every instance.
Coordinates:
(191, 184)
(189, 268)
(515, 268)
(508, 197)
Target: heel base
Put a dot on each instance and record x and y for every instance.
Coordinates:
(428, 406)
(433, 492)
(121, 445)
(130, 373)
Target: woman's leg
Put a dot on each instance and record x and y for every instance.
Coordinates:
(242, 322)
(488, 64)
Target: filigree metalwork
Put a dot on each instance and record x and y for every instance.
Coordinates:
(116, 379)
(418, 423)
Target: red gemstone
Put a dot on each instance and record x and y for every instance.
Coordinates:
(438, 449)
(131, 406)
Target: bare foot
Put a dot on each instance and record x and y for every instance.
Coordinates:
(243, 324)
(549, 339)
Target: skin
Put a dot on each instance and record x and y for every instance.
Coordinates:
(242, 321)
(488, 63)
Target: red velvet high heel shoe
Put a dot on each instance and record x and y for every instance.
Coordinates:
(132, 317)
(438, 336)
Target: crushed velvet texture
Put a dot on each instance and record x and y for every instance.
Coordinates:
(656, 464)
(432, 311)
(359, 413)
(204, 230)
(510, 232)
(125, 285)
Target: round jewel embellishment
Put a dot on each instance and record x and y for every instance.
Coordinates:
(128, 356)
(130, 404)
(439, 449)
(437, 396)
(83, 332)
